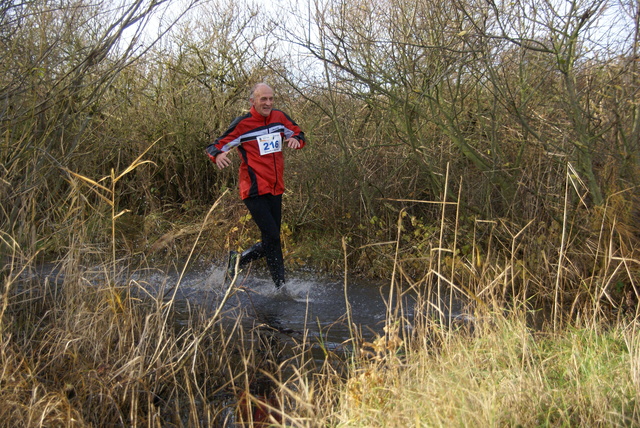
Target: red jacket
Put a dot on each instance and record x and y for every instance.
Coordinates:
(259, 174)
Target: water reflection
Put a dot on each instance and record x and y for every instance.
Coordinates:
(310, 307)
(309, 304)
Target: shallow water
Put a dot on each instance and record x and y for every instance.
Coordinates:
(309, 303)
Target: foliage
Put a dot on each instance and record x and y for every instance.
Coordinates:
(483, 149)
(502, 375)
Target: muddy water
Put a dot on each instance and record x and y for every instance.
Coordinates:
(309, 304)
(312, 305)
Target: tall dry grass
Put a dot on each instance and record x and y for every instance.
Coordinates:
(550, 332)
(96, 346)
(520, 354)
(86, 342)
(82, 347)
(503, 374)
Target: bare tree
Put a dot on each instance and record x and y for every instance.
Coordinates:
(503, 83)
(58, 59)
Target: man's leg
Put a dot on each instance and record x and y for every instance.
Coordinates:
(266, 211)
(255, 252)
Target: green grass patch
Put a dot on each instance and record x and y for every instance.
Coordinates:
(503, 375)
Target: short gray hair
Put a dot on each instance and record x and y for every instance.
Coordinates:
(254, 87)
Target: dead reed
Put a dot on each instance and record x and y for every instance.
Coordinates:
(538, 341)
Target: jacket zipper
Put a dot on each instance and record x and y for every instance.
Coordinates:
(275, 166)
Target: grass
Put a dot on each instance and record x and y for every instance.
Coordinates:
(96, 347)
(504, 374)
(90, 350)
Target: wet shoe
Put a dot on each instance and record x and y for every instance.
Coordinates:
(232, 268)
(279, 284)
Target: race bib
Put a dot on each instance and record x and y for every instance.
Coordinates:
(270, 143)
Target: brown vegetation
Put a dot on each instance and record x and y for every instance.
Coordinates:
(465, 146)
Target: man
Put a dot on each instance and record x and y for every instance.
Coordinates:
(259, 137)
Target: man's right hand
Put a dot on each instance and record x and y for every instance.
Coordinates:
(222, 160)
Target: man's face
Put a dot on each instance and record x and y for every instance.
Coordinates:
(262, 100)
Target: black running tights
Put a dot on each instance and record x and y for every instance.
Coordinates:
(266, 211)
